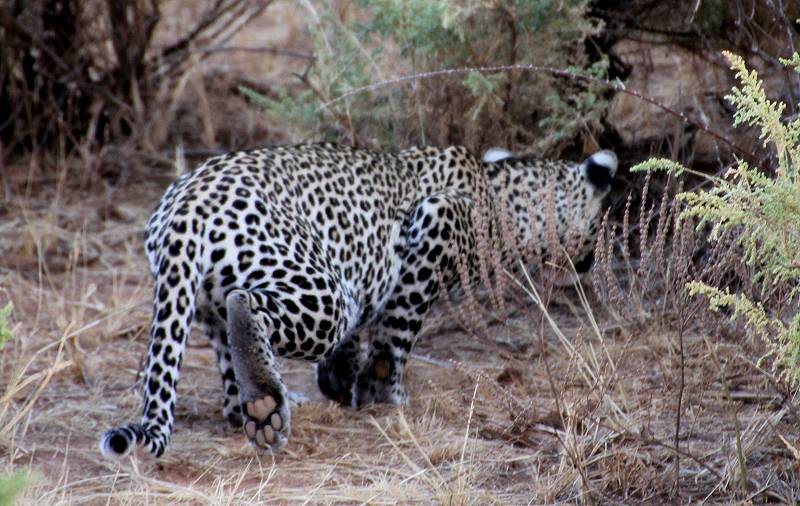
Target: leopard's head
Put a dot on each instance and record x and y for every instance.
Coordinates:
(572, 193)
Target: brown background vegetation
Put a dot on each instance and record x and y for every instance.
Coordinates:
(636, 394)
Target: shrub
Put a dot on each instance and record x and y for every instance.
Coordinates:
(764, 211)
(396, 37)
(79, 73)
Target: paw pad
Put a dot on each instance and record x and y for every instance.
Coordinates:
(266, 426)
(382, 369)
(261, 408)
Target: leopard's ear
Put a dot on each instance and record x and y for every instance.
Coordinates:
(494, 155)
(600, 168)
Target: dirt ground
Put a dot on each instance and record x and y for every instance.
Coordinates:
(573, 406)
(515, 413)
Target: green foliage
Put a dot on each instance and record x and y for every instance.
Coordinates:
(570, 112)
(417, 26)
(794, 61)
(6, 332)
(11, 486)
(663, 164)
(374, 41)
(766, 210)
(483, 87)
(303, 108)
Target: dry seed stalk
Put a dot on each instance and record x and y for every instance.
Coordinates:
(481, 216)
(626, 230)
(473, 310)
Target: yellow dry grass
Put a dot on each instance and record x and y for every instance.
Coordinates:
(565, 409)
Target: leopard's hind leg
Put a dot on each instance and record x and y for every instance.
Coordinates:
(262, 393)
(217, 332)
(262, 324)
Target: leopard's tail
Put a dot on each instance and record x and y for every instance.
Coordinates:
(176, 284)
(119, 442)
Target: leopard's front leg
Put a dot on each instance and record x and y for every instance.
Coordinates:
(436, 231)
(336, 374)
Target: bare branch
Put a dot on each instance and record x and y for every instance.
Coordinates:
(568, 74)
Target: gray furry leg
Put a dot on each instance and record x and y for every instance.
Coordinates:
(262, 394)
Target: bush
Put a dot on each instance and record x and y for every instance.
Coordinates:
(764, 211)
(78, 73)
(398, 37)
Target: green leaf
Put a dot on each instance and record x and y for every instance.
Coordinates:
(11, 486)
(6, 332)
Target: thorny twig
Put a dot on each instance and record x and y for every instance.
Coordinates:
(614, 85)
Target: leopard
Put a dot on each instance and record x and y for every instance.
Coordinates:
(333, 255)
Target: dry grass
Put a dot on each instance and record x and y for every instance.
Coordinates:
(560, 406)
